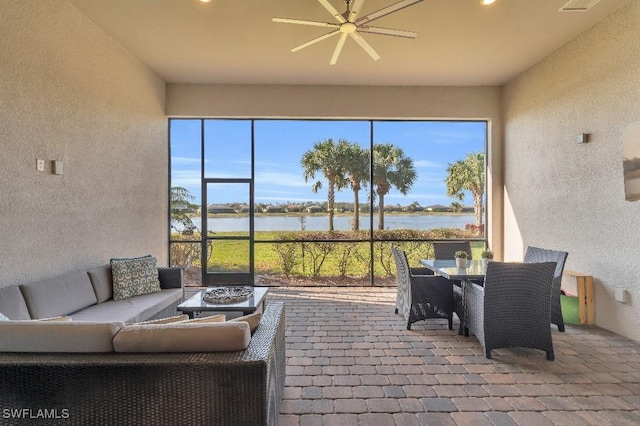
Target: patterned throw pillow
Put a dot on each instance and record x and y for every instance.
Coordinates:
(3, 317)
(134, 277)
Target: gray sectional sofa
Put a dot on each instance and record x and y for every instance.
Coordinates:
(69, 372)
(87, 296)
(242, 388)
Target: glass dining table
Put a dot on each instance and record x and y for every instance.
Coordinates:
(474, 271)
(448, 269)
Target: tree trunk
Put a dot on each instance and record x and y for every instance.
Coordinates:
(381, 212)
(477, 207)
(330, 200)
(356, 211)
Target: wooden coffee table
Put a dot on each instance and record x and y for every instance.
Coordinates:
(196, 304)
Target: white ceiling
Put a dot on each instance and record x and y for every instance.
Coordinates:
(460, 42)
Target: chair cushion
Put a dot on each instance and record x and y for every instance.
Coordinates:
(60, 295)
(134, 277)
(57, 336)
(102, 282)
(183, 337)
(12, 303)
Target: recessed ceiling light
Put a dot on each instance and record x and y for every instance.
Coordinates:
(487, 2)
(205, 1)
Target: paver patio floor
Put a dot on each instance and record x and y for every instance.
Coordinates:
(351, 361)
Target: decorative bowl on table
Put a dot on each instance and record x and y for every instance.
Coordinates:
(219, 295)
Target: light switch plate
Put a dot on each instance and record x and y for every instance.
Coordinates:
(621, 295)
(57, 167)
(39, 165)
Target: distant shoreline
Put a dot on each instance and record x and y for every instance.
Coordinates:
(299, 214)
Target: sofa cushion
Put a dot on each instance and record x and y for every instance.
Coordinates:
(134, 309)
(134, 277)
(210, 318)
(168, 320)
(54, 336)
(60, 318)
(12, 303)
(252, 319)
(183, 337)
(60, 295)
(102, 282)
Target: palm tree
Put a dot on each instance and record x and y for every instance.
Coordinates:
(326, 157)
(391, 168)
(179, 199)
(356, 166)
(456, 207)
(467, 175)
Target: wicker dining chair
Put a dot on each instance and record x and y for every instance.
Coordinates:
(447, 250)
(421, 297)
(513, 307)
(535, 255)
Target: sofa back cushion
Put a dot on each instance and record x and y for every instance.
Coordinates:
(61, 295)
(183, 337)
(57, 336)
(102, 282)
(12, 303)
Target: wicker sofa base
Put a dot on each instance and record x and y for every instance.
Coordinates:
(228, 388)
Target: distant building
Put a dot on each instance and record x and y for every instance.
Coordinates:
(437, 208)
(315, 209)
(242, 208)
(392, 208)
(273, 209)
(219, 208)
(294, 208)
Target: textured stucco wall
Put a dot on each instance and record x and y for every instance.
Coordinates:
(68, 92)
(567, 196)
(337, 102)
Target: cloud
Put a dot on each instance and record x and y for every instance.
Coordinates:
(185, 160)
(185, 178)
(426, 164)
(415, 196)
(291, 199)
(281, 179)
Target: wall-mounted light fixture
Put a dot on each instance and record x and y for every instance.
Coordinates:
(582, 138)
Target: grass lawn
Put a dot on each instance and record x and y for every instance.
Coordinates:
(310, 259)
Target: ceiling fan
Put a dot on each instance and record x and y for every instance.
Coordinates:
(350, 24)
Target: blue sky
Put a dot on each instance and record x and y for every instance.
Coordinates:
(280, 144)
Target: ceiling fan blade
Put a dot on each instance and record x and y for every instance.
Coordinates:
(386, 11)
(305, 22)
(315, 40)
(336, 52)
(366, 46)
(388, 31)
(332, 10)
(355, 10)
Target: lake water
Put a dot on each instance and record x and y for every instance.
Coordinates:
(340, 223)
